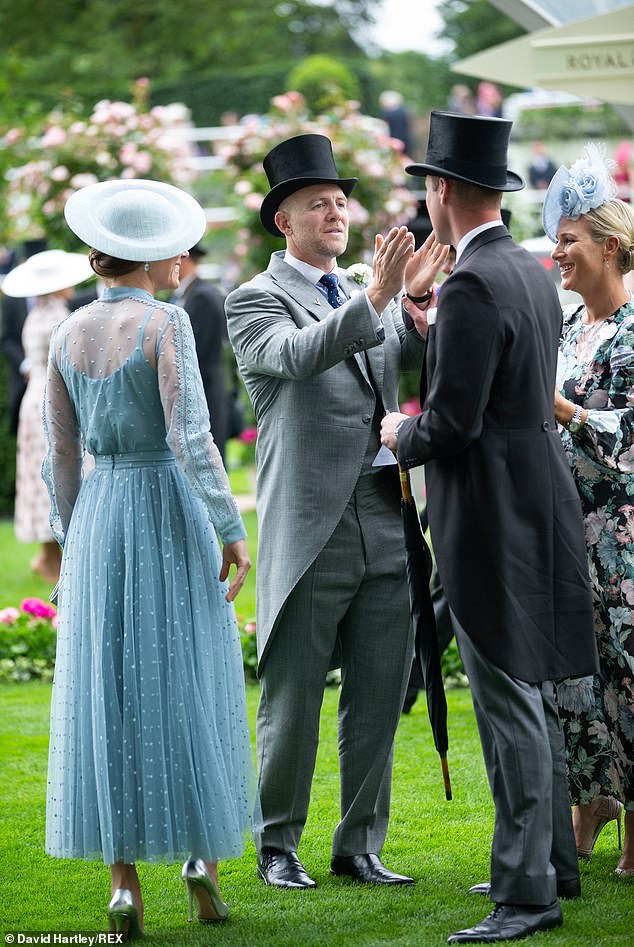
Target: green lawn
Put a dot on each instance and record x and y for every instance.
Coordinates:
(444, 845)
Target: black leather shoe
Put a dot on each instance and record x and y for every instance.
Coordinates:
(510, 922)
(568, 890)
(283, 869)
(367, 869)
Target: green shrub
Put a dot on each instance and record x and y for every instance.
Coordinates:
(324, 82)
(27, 641)
(569, 121)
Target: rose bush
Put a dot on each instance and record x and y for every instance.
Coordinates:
(67, 151)
(28, 638)
(362, 148)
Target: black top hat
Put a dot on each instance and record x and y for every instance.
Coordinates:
(296, 163)
(469, 148)
(197, 251)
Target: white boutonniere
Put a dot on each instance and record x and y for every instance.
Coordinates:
(360, 273)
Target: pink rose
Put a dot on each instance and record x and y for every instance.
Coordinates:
(53, 137)
(253, 201)
(9, 615)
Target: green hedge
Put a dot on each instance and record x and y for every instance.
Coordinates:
(247, 90)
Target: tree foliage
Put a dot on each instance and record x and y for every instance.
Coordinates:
(475, 25)
(97, 50)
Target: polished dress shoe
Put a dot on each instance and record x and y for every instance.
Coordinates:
(565, 889)
(510, 922)
(367, 869)
(283, 869)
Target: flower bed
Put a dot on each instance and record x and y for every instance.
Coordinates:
(27, 641)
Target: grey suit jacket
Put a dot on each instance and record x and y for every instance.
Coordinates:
(313, 404)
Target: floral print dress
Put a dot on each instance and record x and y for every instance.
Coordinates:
(596, 370)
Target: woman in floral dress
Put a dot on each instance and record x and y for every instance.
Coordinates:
(595, 406)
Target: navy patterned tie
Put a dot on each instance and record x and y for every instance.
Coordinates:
(331, 282)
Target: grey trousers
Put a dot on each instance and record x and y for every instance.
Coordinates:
(354, 595)
(523, 748)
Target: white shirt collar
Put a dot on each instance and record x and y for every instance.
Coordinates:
(184, 283)
(468, 237)
(312, 273)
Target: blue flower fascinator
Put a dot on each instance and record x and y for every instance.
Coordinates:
(574, 191)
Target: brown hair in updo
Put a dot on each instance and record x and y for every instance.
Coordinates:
(109, 267)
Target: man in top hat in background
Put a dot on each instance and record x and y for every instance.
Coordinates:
(205, 305)
(321, 360)
(504, 515)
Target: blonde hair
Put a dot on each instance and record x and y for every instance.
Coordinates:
(615, 218)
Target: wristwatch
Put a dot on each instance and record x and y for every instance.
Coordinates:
(398, 428)
(576, 422)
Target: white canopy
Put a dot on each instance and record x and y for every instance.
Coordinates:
(590, 57)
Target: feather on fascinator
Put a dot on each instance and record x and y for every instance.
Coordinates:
(574, 191)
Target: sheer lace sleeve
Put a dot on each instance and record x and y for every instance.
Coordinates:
(187, 420)
(62, 464)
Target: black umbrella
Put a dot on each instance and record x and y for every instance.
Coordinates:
(426, 648)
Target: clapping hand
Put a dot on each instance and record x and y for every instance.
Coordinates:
(391, 257)
(235, 554)
(424, 266)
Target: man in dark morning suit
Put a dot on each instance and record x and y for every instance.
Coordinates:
(205, 306)
(14, 313)
(321, 357)
(505, 519)
(12, 318)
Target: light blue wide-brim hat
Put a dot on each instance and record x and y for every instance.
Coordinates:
(136, 219)
(47, 272)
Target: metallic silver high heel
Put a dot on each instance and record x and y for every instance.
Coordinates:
(123, 917)
(198, 880)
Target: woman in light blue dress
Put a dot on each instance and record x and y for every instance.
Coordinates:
(150, 756)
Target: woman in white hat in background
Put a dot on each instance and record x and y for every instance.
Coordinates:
(150, 755)
(50, 277)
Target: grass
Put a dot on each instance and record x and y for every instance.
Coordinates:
(444, 845)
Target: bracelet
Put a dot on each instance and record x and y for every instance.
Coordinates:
(420, 299)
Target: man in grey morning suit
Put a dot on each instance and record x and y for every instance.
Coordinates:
(321, 364)
(505, 517)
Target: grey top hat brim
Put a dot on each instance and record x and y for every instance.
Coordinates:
(284, 189)
(513, 181)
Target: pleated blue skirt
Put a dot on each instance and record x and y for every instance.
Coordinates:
(150, 756)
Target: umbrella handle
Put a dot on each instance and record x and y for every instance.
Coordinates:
(445, 778)
(406, 484)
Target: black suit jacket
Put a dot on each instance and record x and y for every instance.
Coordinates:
(205, 306)
(14, 312)
(504, 513)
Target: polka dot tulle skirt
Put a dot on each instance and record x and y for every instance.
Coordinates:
(150, 755)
